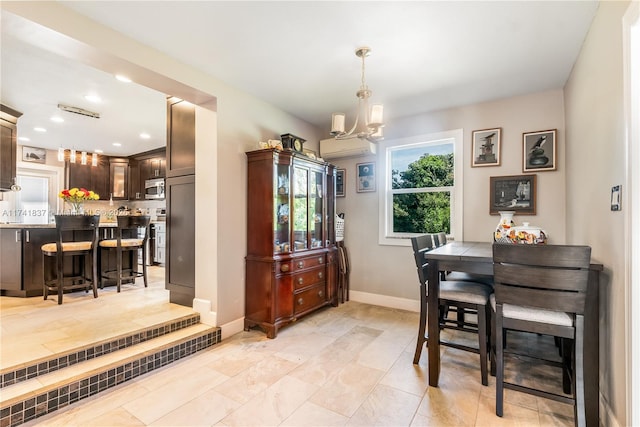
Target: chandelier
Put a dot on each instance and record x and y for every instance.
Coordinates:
(370, 126)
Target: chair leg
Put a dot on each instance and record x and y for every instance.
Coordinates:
(482, 341)
(492, 342)
(119, 268)
(566, 352)
(578, 373)
(423, 325)
(60, 278)
(94, 273)
(144, 266)
(499, 362)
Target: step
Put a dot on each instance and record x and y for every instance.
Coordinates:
(51, 363)
(35, 397)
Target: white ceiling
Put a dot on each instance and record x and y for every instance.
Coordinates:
(299, 56)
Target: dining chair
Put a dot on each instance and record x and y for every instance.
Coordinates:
(457, 296)
(138, 226)
(344, 270)
(77, 237)
(542, 289)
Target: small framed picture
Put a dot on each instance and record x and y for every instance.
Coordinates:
(365, 177)
(34, 154)
(340, 177)
(616, 196)
(539, 151)
(486, 147)
(512, 193)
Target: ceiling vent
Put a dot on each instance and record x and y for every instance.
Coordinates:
(77, 110)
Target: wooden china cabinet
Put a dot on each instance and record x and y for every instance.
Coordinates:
(291, 265)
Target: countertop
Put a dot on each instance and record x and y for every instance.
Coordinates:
(23, 226)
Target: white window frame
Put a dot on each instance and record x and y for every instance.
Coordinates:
(386, 196)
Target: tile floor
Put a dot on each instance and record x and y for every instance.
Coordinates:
(350, 365)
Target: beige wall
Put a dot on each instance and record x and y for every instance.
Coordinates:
(390, 270)
(595, 163)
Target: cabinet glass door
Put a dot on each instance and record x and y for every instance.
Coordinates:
(282, 208)
(331, 206)
(300, 208)
(315, 209)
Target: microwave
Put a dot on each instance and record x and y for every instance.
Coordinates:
(154, 188)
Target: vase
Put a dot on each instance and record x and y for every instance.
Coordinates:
(77, 208)
(501, 235)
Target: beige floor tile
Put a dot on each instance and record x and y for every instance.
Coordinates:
(116, 417)
(406, 376)
(310, 414)
(514, 415)
(205, 410)
(386, 406)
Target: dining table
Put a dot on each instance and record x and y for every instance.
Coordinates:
(477, 257)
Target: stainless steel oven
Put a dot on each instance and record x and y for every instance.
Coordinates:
(154, 188)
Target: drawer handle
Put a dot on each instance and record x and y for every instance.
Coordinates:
(300, 264)
(320, 275)
(284, 267)
(320, 294)
(300, 280)
(300, 301)
(320, 260)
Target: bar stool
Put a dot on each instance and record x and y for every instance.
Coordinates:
(123, 244)
(71, 228)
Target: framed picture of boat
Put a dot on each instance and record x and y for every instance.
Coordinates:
(539, 151)
(512, 193)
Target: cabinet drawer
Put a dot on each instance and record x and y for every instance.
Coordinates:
(309, 298)
(308, 278)
(308, 262)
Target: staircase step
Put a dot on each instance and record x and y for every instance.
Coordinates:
(35, 397)
(51, 363)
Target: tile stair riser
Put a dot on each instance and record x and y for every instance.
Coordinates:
(31, 405)
(16, 374)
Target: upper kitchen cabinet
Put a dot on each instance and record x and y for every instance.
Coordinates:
(119, 178)
(8, 146)
(143, 167)
(94, 178)
(181, 137)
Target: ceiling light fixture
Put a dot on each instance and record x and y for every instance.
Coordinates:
(24, 138)
(145, 135)
(57, 119)
(61, 154)
(97, 150)
(39, 129)
(72, 156)
(123, 78)
(78, 110)
(117, 144)
(83, 158)
(94, 159)
(93, 98)
(371, 123)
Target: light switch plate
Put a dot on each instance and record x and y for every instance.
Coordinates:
(616, 198)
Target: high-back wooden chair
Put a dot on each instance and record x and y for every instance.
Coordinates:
(344, 271)
(454, 295)
(136, 224)
(542, 289)
(77, 237)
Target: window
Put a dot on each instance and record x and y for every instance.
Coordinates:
(37, 202)
(422, 187)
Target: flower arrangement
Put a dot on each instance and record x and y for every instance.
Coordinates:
(76, 197)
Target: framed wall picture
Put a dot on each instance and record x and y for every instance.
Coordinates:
(34, 154)
(340, 177)
(486, 147)
(512, 193)
(539, 151)
(365, 177)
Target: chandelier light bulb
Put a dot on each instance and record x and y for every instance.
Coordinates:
(72, 156)
(61, 154)
(94, 159)
(83, 158)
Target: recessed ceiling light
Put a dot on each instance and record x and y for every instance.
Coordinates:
(24, 138)
(145, 135)
(57, 119)
(93, 98)
(117, 144)
(97, 150)
(122, 78)
(39, 129)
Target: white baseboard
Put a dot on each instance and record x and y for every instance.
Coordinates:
(385, 301)
(232, 328)
(607, 417)
(207, 316)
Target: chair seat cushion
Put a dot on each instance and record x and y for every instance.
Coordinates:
(126, 243)
(530, 314)
(470, 277)
(66, 247)
(469, 292)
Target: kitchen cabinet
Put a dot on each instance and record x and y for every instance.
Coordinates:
(149, 165)
(291, 254)
(10, 261)
(94, 178)
(8, 146)
(119, 178)
(181, 138)
(159, 253)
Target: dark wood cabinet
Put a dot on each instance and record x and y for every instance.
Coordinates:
(144, 166)
(10, 261)
(181, 138)
(119, 178)
(8, 146)
(291, 255)
(94, 178)
(180, 239)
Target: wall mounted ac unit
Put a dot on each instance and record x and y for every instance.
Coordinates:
(336, 148)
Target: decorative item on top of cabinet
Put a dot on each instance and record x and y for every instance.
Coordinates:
(291, 267)
(8, 146)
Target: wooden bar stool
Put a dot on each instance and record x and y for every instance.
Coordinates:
(77, 239)
(128, 245)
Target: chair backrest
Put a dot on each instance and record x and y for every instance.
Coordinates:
(343, 259)
(134, 222)
(422, 244)
(70, 223)
(550, 277)
(440, 239)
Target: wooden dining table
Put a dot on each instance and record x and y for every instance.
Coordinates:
(477, 257)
